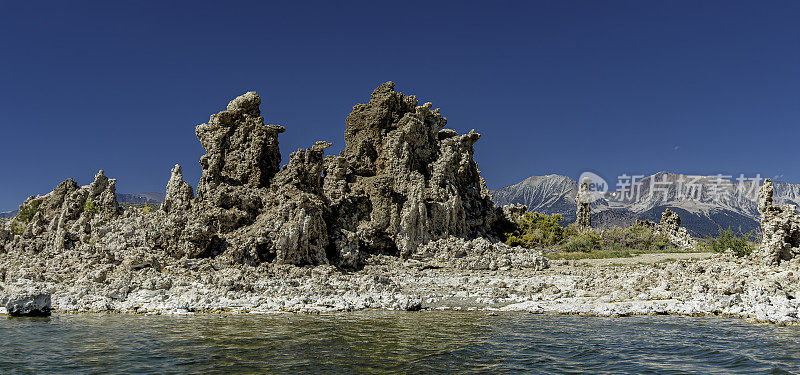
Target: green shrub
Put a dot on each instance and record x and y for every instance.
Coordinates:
(727, 239)
(147, 209)
(17, 228)
(26, 211)
(536, 230)
(90, 207)
(584, 242)
(634, 237)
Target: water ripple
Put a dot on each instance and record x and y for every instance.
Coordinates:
(394, 342)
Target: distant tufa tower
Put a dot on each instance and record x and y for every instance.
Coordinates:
(584, 199)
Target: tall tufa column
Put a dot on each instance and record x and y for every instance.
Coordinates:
(584, 199)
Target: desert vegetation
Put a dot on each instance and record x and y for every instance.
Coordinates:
(740, 244)
(535, 230)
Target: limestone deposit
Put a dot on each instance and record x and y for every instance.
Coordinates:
(63, 218)
(158, 283)
(26, 302)
(780, 227)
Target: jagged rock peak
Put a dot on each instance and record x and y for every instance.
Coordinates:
(103, 194)
(304, 170)
(179, 193)
(670, 218)
(248, 102)
(65, 216)
(240, 149)
(372, 131)
(765, 193)
(402, 180)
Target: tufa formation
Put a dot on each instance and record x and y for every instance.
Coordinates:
(402, 181)
(64, 217)
(780, 226)
(670, 228)
(584, 212)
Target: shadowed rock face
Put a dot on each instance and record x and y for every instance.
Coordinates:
(242, 156)
(27, 302)
(402, 181)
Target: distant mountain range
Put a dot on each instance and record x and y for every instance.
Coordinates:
(704, 203)
(141, 198)
(121, 198)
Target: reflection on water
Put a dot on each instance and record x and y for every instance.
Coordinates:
(400, 342)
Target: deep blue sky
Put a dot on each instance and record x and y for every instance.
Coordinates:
(554, 86)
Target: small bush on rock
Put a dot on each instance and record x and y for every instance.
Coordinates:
(17, 228)
(26, 211)
(90, 207)
(727, 239)
(147, 209)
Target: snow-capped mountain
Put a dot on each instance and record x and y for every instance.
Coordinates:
(704, 203)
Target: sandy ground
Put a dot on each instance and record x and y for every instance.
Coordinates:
(641, 259)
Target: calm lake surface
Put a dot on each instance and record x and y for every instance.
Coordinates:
(397, 342)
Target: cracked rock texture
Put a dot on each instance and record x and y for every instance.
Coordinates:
(780, 226)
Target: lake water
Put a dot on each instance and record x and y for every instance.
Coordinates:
(397, 342)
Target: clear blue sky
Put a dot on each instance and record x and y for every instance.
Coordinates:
(554, 86)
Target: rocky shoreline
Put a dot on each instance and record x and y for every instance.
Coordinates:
(722, 285)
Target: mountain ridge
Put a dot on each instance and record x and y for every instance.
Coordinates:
(705, 203)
